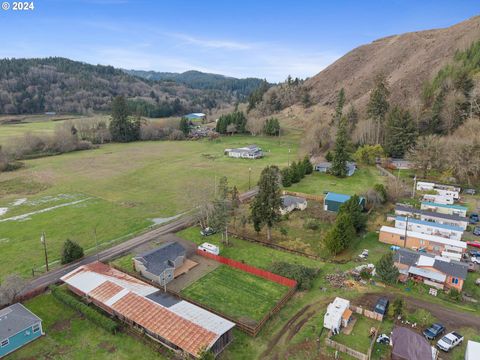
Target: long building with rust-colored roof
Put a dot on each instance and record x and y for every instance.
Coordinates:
(175, 323)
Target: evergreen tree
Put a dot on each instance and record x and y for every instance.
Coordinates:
(339, 106)
(353, 210)
(272, 127)
(386, 269)
(184, 126)
(122, 127)
(400, 132)
(295, 173)
(221, 209)
(378, 105)
(286, 174)
(340, 235)
(71, 251)
(397, 307)
(340, 152)
(265, 208)
(307, 165)
(352, 119)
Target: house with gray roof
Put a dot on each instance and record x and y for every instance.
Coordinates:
(435, 271)
(159, 265)
(18, 327)
(290, 203)
(326, 166)
(426, 215)
(246, 152)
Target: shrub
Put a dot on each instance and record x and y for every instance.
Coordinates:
(312, 224)
(398, 307)
(91, 314)
(176, 135)
(302, 274)
(454, 294)
(422, 317)
(71, 251)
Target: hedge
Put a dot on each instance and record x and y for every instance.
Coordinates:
(89, 313)
(302, 274)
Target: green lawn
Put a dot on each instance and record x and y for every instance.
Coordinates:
(358, 339)
(69, 336)
(363, 179)
(251, 253)
(127, 185)
(236, 293)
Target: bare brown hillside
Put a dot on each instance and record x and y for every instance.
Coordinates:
(407, 60)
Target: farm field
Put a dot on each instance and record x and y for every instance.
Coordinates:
(236, 293)
(129, 187)
(319, 183)
(69, 336)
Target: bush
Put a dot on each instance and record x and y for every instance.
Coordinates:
(91, 314)
(422, 317)
(398, 307)
(176, 135)
(312, 224)
(455, 295)
(302, 274)
(71, 251)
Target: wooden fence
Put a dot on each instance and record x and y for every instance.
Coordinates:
(345, 349)
(250, 269)
(367, 313)
(318, 198)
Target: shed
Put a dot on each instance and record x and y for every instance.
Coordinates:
(18, 327)
(333, 201)
(325, 167)
(290, 203)
(408, 345)
(473, 350)
(338, 314)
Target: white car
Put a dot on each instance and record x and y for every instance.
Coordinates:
(364, 254)
(449, 341)
(475, 259)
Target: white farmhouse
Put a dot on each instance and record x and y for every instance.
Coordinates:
(338, 315)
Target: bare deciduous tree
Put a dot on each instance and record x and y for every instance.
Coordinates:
(11, 287)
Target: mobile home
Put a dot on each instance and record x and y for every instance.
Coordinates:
(429, 227)
(444, 208)
(454, 220)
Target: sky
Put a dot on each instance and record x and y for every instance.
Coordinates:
(265, 39)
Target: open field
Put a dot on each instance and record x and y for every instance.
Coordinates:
(69, 336)
(236, 293)
(319, 183)
(129, 187)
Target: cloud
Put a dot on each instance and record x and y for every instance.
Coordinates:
(212, 43)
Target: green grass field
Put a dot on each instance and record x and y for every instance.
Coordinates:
(358, 339)
(318, 183)
(69, 336)
(127, 185)
(236, 293)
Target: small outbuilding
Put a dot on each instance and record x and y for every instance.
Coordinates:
(408, 345)
(18, 327)
(338, 315)
(290, 203)
(333, 201)
(473, 350)
(324, 167)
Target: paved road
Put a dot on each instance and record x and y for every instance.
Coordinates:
(54, 276)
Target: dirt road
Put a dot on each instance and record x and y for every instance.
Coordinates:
(448, 317)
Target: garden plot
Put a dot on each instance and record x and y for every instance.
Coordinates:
(235, 293)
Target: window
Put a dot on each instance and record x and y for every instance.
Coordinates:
(36, 328)
(454, 280)
(402, 237)
(5, 343)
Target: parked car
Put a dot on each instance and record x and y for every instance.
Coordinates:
(472, 267)
(449, 341)
(474, 253)
(476, 231)
(207, 231)
(473, 218)
(394, 248)
(475, 260)
(382, 306)
(470, 191)
(434, 331)
(383, 339)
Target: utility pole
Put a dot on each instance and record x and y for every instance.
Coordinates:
(96, 242)
(43, 240)
(414, 186)
(249, 178)
(406, 229)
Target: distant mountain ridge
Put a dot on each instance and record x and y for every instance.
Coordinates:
(203, 81)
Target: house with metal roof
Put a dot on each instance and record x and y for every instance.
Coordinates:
(444, 208)
(159, 264)
(436, 271)
(18, 327)
(409, 345)
(430, 216)
(325, 167)
(333, 201)
(175, 323)
(429, 227)
(246, 152)
(422, 242)
(290, 203)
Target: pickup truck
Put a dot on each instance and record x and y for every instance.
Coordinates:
(449, 341)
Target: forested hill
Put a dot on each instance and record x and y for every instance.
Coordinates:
(66, 86)
(241, 88)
